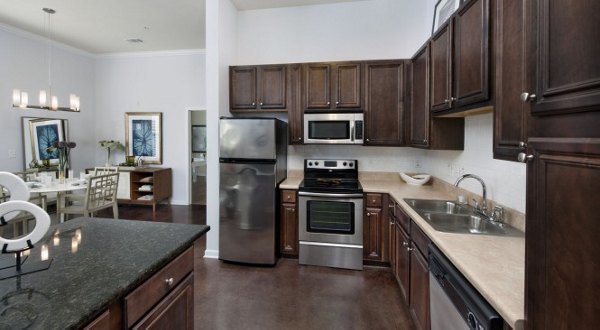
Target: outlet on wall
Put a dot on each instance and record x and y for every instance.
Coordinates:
(12, 154)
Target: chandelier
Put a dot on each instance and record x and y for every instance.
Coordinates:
(47, 101)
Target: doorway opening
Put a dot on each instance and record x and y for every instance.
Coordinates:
(198, 157)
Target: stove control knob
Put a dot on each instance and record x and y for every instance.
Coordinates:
(345, 163)
(317, 163)
(309, 163)
(351, 164)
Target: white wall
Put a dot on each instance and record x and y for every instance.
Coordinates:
(376, 29)
(167, 82)
(24, 66)
(221, 18)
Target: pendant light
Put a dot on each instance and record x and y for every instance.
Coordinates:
(47, 100)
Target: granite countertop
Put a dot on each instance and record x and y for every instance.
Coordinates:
(94, 263)
(494, 265)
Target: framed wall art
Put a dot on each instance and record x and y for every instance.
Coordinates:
(443, 10)
(41, 133)
(143, 136)
(198, 138)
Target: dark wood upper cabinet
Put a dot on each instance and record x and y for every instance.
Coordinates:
(441, 69)
(426, 131)
(510, 112)
(460, 60)
(564, 48)
(242, 82)
(471, 54)
(295, 110)
(330, 86)
(384, 110)
(260, 87)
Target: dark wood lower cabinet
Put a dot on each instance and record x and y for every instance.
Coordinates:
(562, 264)
(375, 229)
(288, 224)
(419, 288)
(402, 269)
(175, 311)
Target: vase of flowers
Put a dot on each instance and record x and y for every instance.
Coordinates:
(64, 149)
(110, 146)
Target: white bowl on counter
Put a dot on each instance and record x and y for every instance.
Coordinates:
(416, 179)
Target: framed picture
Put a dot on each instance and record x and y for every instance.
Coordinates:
(443, 10)
(43, 132)
(143, 136)
(198, 138)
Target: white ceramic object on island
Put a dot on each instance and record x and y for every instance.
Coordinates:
(415, 180)
(19, 194)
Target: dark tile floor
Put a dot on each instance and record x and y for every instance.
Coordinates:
(287, 296)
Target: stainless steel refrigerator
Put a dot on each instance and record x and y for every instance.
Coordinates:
(253, 161)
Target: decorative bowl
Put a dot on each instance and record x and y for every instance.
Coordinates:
(416, 179)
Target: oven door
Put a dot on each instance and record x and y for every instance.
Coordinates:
(330, 218)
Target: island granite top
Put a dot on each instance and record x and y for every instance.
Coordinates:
(94, 263)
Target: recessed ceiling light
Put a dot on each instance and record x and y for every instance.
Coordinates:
(135, 40)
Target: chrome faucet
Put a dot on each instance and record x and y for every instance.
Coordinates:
(483, 207)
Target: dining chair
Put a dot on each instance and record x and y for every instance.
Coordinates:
(101, 193)
(98, 170)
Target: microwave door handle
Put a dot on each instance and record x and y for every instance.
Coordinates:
(352, 130)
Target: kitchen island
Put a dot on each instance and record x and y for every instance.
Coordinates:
(100, 269)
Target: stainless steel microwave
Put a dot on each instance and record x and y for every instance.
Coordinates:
(333, 128)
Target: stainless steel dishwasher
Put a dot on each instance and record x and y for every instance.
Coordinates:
(454, 302)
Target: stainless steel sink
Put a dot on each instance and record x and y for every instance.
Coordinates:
(449, 217)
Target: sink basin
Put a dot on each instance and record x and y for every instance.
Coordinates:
(441, 206)
(449, 217)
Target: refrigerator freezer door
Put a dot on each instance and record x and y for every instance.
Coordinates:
(247, 213)
(241, 138)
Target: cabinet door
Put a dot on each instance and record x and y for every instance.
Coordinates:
(289, 230)
(402, 260)
(561, 246)
(510, 113)
(392, 234)
(564, 51)
(295, 111)
(419, 289)
(175, 311)
(317, 86)
(384, 112)
(242, 83)
(373, 239)
(347, 86)
(419, 105)
(272, 88)
(441, 69)
(471, 54)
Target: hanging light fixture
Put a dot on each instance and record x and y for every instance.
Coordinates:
(47, 101)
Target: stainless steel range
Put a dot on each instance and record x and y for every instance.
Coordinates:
(331, 214)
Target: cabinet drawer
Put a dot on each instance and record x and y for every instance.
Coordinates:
(421, 240)
(373, 200)
(288, 196)
(154, 289)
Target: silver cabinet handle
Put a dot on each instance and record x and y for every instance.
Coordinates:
(409, 249)
(522, 145)
(526, 97)
(368, 214)
(293, 210)
(337, 102)
(368, 140)
(405, 244)
(299, 139)
(446, 101)
(425, 141)
(328, 103)
(169, 281)
(452, 99)
(253, 103)
(261, 103)
(524, 158)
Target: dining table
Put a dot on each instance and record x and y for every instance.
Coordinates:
(68, 186)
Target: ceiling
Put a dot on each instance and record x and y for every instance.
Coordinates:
(104, 26)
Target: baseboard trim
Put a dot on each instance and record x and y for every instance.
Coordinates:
(211, 254)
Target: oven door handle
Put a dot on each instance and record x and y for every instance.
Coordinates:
(311, 194)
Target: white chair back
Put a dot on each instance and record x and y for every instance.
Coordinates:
(99, 170)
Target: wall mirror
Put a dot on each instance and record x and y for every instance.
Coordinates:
(38, 135)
